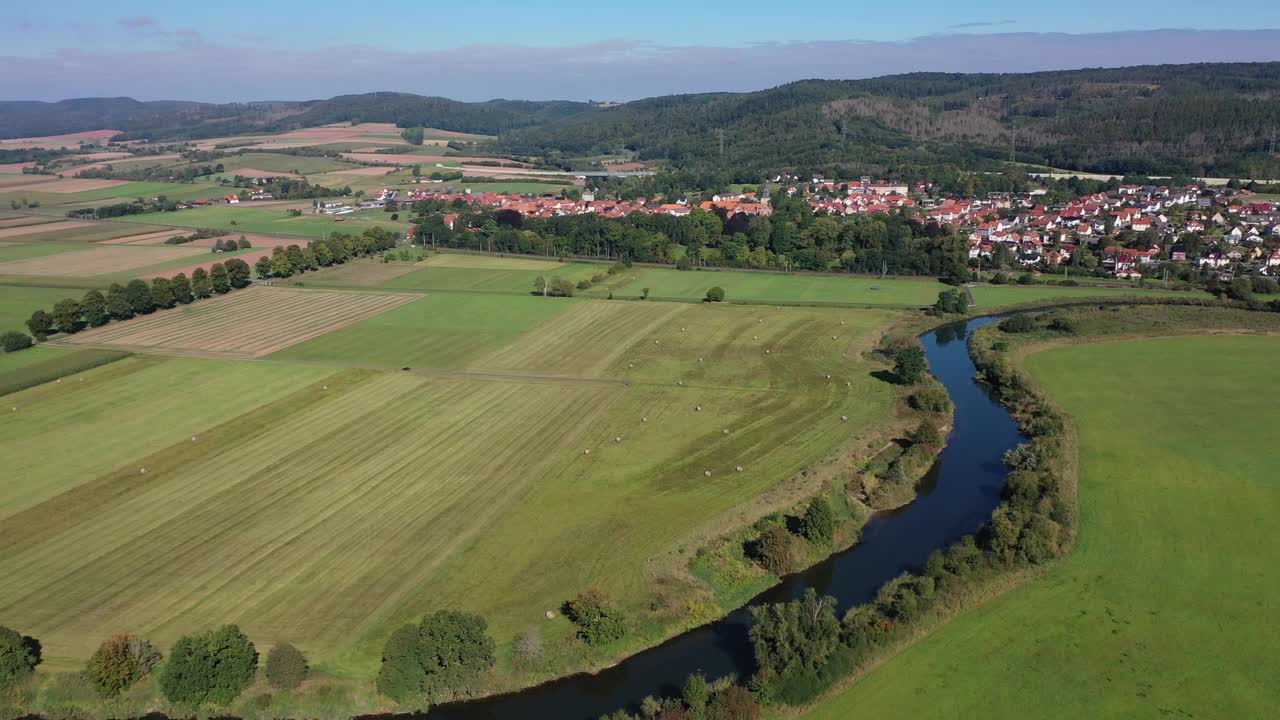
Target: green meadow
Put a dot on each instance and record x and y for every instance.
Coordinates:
(775, 287)
(18, 302)
(1165, 608)
(247, 217)
(989, 296)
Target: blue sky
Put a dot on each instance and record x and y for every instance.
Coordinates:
(536, 48)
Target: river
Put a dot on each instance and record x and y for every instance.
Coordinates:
(955, 498)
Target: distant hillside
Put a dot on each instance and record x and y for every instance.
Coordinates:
(1194, 119)
(1209, 119)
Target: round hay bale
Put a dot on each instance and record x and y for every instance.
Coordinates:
(631, 365)
(15, 409)
(618, 439)
(644, 419)
(725, 431)
(655, 342)
(58, 380)
(841, 322)
(551, 615)
(828, 377)
(193, 438)
(766, 352)
(844, 418)
(699, 359)
(706, 473)
(697, 408)
(739, 468)
(681, 329)
(326, 387)
(586, 452)
(679, 382)
(833, 337)
(144, 471)
(755, 337)
(81, 379)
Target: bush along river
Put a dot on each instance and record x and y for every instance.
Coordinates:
(955, 498)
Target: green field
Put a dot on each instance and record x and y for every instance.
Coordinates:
(776, 287)
(58, 202)
(989, 296)
(1165, 607)
(282, 163)
(324, 503)
(264, 219)
(512, 274)
(18, 302)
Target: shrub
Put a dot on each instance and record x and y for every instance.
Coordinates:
(19, 656)
(927, 435)
(583, 284)
(119, 662)
(1020, 323)
(286, 666)
(715, 294)
(775, 550)
(796, 637)
(13, 341)
(1063, 325)
(1026, 279)
(819, 522)
(598, 621)
(999, 279)
(436, 658)
(734, 703)
(528, 646)
(66, 316)
(910, 365)
(598, 277)
(40, 324)
(932, 399)
(209, 667)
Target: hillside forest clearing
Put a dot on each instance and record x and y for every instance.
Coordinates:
(254, 322)
(346, 501)
(1163, 604)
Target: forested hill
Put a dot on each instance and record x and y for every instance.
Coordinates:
(1208, 119)
(1214, 119)
(165, 120)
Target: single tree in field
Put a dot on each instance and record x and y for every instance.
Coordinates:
(437, 658)
(118, 306)
(162, 293)
(286, 666)
(13, 341)
(66, 316)
(139, 296)
(200, 285)
(910, 365)
(211, 667)
(715, 294)
(94, 307)
(181, 288)
(19, 655)
(218, 279)
(40, 324)
(119, 663)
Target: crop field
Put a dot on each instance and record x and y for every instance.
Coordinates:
(265, 219)
(117, 193)
(987, 296)
(97, 261)
(21, 250)
(315, 498)
(775, 287)
(248, 323)
(20, 231)
(282, 163)
(17, 303)
(456, 271)
(360, 273)
(1165, 608)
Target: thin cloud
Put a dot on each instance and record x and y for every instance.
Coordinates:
(980, 24)
(613, 69)
(138, 22)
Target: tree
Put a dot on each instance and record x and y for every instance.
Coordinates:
(775, 550)
(598, 621)
(218, 279)
(19, 655)
(910, 365)
(413, 136)
(94, 308)
(263, 266)
(119, 662)
(238, 273)
(66, 316)
(819, 523)
(118, 302)
(40, 324)
(13, 341)
(162, 293)
(286, 666)
(244, 243)
(201, 287)
(715, 294)
(734, 703)
(139, 297)
(696, 695)
(436, 658)
(927, 434)
(794, 637)
(181, 288)
(280, 265)
(951, 302)
(209, 667)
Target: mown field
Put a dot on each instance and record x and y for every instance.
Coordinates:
(460, 271)
(308, 499)
(265, 219)
(775, 287)
(1166, 606)
(988, 296)
(18, 302)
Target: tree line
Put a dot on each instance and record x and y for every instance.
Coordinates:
(793, 238)
(339, 248)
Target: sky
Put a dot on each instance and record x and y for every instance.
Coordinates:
(238, 50)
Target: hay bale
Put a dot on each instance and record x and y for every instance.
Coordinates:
(725, 431)
(697, 408)
(739, 468)
(326, 387)
(679, 382)
(631, 365)
(144, 471)
(766, 352)
(706, 473)
(586, 452)
(655, 342)
(828, 377)
(844, 418)
(833, 337)
(755, 337)
(618, 439)
(193, 438)
(58, 380)
(551, 615)
(644, 419)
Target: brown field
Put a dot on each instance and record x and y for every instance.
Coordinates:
(362, 273)
(14, 168)
(251, 173)
(4, 243)
(250, 257)
(315, 136)
(54, 142)
(25, 220)
(409, 159)
(9, 183)
(96, 261)
(117, 163)
(158, 238)
(149, 238)
(68, 186)
(42, 228)
(247, 323)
